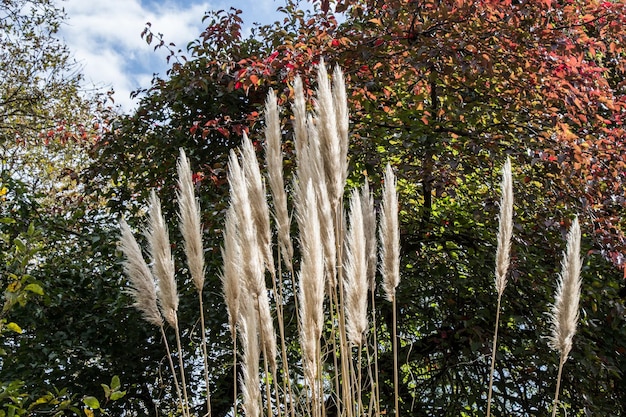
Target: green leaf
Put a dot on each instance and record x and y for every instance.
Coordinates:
(92, 402)
(14, 327)
(116, 395)
(115, 383)
(7, 220)
(107, 390)
(34, 288)
(20, 246)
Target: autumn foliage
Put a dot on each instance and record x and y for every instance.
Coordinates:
(444, 91)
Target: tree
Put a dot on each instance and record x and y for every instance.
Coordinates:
(46, 123)
(443, 90)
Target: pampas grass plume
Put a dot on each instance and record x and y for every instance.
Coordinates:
(564, 315)
(250, 381)
(163, 263)
(231, 272)
(311, 276)
(505, 229)
(390, 236)
(190, 226)
(356, 282)
(258, 199)
(142, 285)
(274, 158)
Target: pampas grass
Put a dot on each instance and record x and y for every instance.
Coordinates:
(564, 314)
(144, 291)
(191, 230)
(389, 232)
(274, 160)
(337, 264)
(163, 269)
(142, 285)
(311, 297)
(356, 283)
(503, 259)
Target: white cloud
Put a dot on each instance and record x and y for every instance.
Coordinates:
(105, 39)
(105, 36)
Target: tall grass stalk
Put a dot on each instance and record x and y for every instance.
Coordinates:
(143, 289)
(243, 198)
(389, 232)
(230, 277)
(191, 230)
(250, 382)
(565, 310)
(503, 259)
(371, 248)
(356, 287)
(311, 295)
(163, 269)
(274, 161)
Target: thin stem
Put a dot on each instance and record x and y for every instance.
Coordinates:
(359, 384)
(555, 403)
(235, 376)
(268, 393)
(278, 291)
(493, 357)
(206, 356)
(376, 390)
(169, 358)
(334, 302)
(343, 345)
(182, 371)
(395, 358)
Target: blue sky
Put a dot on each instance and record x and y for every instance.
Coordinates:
(104, 36)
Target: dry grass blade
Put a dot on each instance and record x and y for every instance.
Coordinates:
(190, 225)
(505, 229)
(163, 262)
(142, 285)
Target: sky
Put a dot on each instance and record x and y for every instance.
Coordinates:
(104, 36)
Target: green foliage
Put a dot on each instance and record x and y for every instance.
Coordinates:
(442, 90)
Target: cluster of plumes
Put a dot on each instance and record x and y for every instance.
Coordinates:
(154, 289)
(338, 248)
(565, 310)
(247, 222)
(321, 144)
